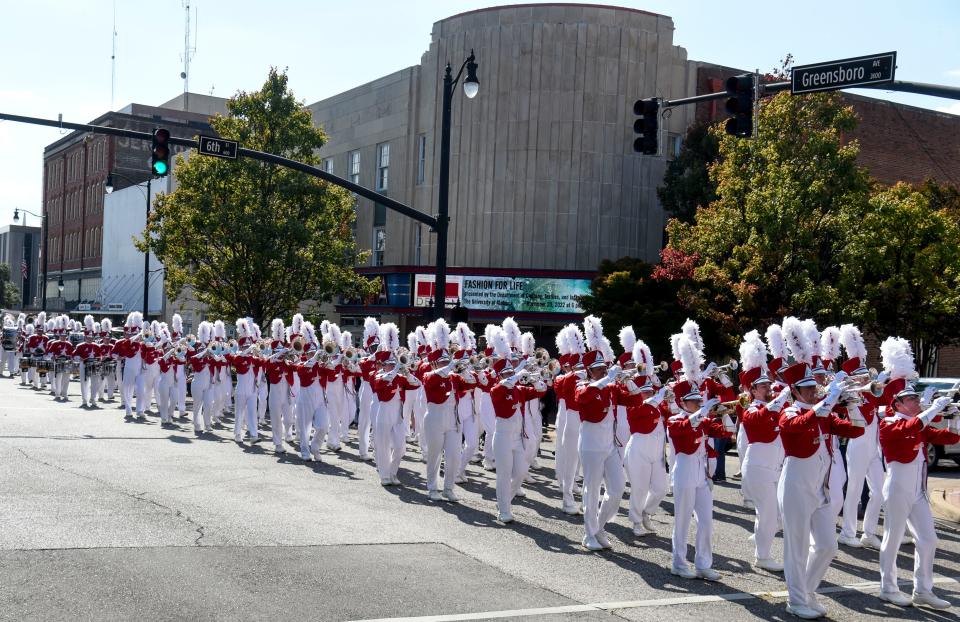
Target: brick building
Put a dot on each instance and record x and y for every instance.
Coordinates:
(75, 170)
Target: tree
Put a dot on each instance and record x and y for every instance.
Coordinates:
(687, 184)
(251, 238)
(9, 293)
(768, 245)
(901, 267)
(631, 292)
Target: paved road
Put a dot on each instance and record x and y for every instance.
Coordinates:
(106, 519)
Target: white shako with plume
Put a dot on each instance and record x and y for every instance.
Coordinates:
(812, 335)
(371, 332)
(753, 360)
(644, 360)
(854, 348)
(829, 346)
(692, 331)
(897, 356)
(628, 339)
(528, 344)
(296, 325)
(177, 323)
(512, 331)
(777, 348)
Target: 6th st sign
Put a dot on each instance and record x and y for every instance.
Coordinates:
(218, 147)
(842, 74)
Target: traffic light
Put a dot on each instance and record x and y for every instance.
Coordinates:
(160, 153)
(647, 126)
(740, 105)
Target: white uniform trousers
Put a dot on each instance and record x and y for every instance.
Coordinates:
(863, 464)
(838, 478)
(760, 471)
(471, 432)
(279, 398)
(166, 395)
(12, 363)
(567, 456)
(390, 437)
(533, 426)
(692, 494)
(311, 413)
(146, 386)
(89, 386)
(199, 387)
(61, 383)
(364, 420)
(905, 504)
(623, 433)
(334, 402)
(180, 382)
(488, 425)
(511, 459)
(406, 411)
(419, 412)
(742, 443)
(441, 433)
(131, 374)
(643, 462)
(805, 511)
(245, 415)
(262, 397)
(601, 465)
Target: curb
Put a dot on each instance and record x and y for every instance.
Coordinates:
(942, 508)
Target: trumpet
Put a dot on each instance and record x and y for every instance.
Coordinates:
(232, 344)
(542, 356)
(552, 369)
(352, 355)
(298, 345)
(724, 369)
(661, 366)
(403, 358)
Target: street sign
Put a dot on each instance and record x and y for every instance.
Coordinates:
(843, 74)
(208, 145)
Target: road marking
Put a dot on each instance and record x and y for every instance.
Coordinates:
(867, 586)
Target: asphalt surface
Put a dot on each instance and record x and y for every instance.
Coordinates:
(113, 520)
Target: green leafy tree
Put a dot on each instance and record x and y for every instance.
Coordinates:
(631, 292)
(256, 239)
(9, 293)
(687, 184)
(901, 268)
(768, 245)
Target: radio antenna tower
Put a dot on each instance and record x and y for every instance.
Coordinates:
(113, 57)
(188, 52)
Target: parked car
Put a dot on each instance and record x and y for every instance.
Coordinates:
(937, 452)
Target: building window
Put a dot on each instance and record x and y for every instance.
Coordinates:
(421, 158)
(354, 167)
(379, 215)
(383, 165)
(676, 144)
(379, 242)
(328, 165)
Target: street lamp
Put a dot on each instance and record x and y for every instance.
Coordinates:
(471, 86)
(108, 187)
(46, 233)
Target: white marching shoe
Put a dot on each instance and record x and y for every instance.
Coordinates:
(897, 598)
(803, 612)
(591, 544)
(684, 572)
(708, 574)
(870, 541)
(928, 599)
(852, 541)
(770, 565)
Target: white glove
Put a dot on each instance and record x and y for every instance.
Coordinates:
(706, 408)
(777, 403)
(612, 371)
(657, 398)
(927, 396)
(509, 381)
(709, 370)
(883, 377)
(725, 380)
(482, 378)
(929, 414)
(823, 408)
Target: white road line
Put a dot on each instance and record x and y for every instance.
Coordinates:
(867, 586)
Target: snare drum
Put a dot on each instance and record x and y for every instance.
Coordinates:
(91, 366)
(9, 338)
(61, 365)
(74, 367)
(108, 367)
(26, 362)
(44, 366)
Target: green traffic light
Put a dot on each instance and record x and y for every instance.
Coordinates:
(160, 168)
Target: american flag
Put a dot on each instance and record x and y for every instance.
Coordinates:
(24, 268)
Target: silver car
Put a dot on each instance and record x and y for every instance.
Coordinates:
(944, 386)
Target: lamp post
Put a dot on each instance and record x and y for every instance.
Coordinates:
(46, 233)
(471, 85)
(146, 254)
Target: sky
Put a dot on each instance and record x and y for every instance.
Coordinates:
(57, 53)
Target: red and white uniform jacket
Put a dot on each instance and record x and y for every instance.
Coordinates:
(60, 347)
(762, 429)
(510, 400)
(387, 390)
(804, 433)
(87, 350)
(903, 441)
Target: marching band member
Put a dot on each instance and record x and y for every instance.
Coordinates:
(350, 373)
(111, 378)
(864, 461)
(166, 385)
(129, 353)
(8, 347)
(509, 401)
(763, 456)
(643, 456)
(485, 412)
(803, 493)
(533, 419)
(60, 350)
(568, 434)
(320, 417)
(201, 361)
(36, 347)
(598, 454)
(410, 400)
(466, 412)
(903, 438)
(441, 428)
(389, 384)
(150, 353)
(368, 369)
(180, 371)
(88, 351)
(246, 395)
(279, 376)
(26, 331)
(334, 390)
(691, 477)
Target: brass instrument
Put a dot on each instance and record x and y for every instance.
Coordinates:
(724, 369)
(352, 355)
(541, 356)
(232, 344)
(552, 369)
(661, 366)
(298, 345)
(404, 358)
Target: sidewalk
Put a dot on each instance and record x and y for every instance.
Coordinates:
(945, 497)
